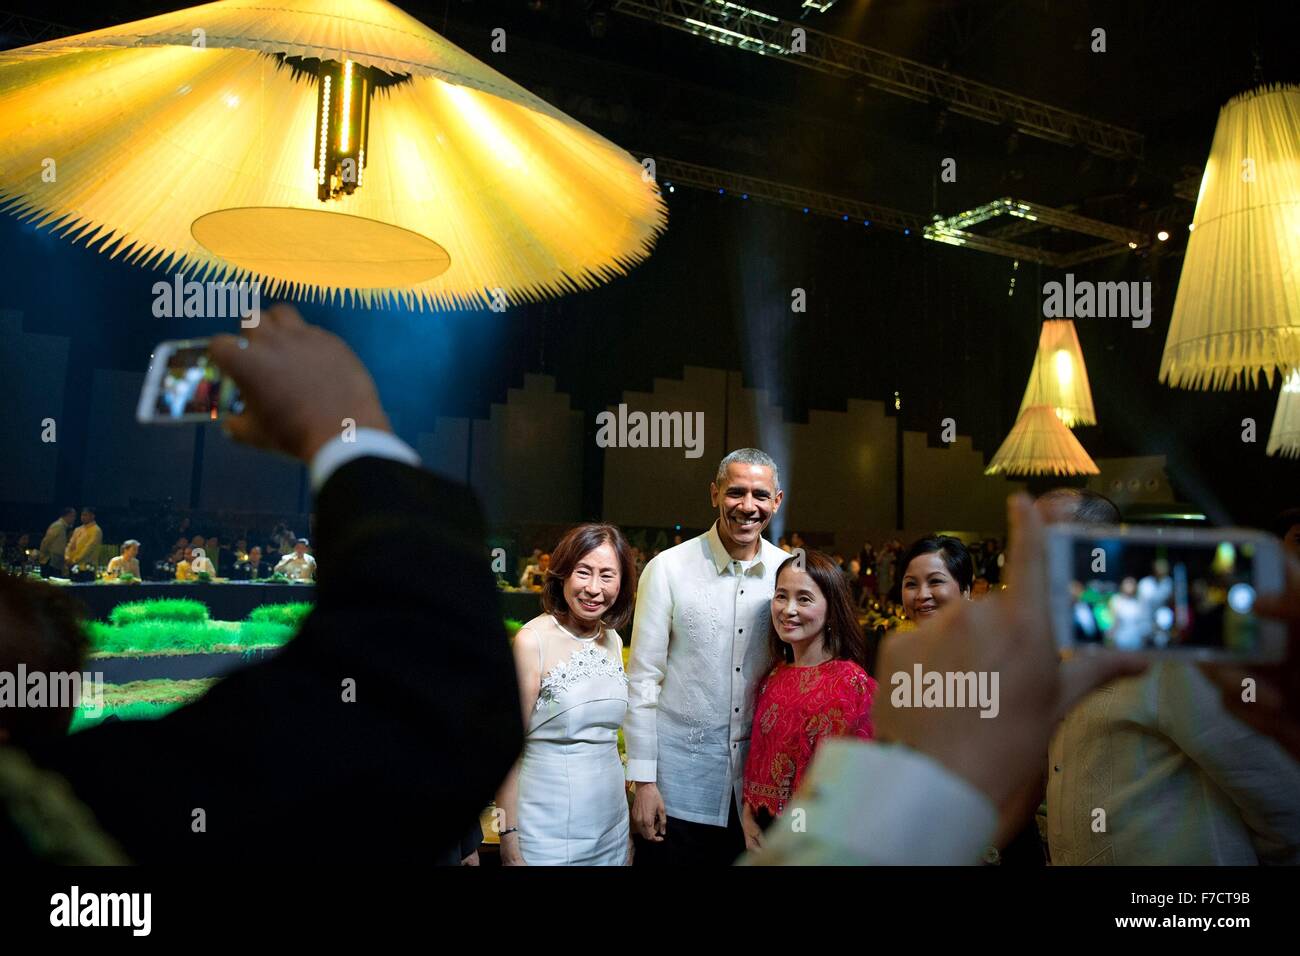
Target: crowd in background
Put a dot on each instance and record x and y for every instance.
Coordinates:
(173, 550)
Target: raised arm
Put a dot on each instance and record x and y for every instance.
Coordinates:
(383, 728)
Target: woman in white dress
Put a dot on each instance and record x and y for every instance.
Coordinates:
(564, 802)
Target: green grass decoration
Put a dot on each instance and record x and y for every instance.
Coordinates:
(142, 700)
(184, 637)
(161, 609)
(288, 614)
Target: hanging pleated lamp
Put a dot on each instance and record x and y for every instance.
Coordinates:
(1059, 378)
(1041, 444)
(1237, 312)
(329, 148)
(1284, 436)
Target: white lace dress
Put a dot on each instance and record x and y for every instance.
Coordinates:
(572, 801)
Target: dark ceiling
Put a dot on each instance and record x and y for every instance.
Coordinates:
(933, 322)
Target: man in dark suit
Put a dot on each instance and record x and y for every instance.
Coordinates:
(382, 730)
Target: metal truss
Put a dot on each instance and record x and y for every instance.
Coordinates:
(955, 230)
(731, 24)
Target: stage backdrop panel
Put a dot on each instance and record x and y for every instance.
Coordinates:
(32, 370)
(526, 459)
(445, 450)
(125, 459)
(242, 479)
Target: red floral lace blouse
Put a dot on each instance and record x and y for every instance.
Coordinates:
(796, 708)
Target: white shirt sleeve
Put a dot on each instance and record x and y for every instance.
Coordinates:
(646, 666)
(867, 803)
(368, 443)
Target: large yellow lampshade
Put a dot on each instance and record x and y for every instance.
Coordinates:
(329, 148)
(1059, 378)
(1040, 444)
(1284, 436)
(1237, 312)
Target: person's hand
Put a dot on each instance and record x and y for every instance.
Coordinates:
(1009, 635)
(511, 855)
(649, 817)
(1275, 711)
(471, 860)
(298, 383)
(753, 832)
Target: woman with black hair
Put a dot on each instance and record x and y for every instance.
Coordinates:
(817, 688)
(936, 571)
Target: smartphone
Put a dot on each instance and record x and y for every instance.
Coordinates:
(1186, 592)
(183, 384)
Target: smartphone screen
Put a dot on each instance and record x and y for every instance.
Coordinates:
(1190, 591)
(184, 384)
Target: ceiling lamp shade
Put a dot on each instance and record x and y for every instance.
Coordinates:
(1059, 378)
(1040, 444)
(1284, 436)
(1237, 311)
(329, 148)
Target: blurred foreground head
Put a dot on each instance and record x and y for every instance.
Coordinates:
(40, 628)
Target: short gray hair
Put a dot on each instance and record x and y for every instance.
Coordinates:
(747, 456)
(131, 541)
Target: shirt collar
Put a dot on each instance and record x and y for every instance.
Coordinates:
(723, 561)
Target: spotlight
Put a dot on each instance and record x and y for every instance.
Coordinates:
(1132, 245)
(907, 232)
(744, 195)
(805, 210)
(1162, 235)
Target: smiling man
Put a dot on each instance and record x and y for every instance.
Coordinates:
(699, 645)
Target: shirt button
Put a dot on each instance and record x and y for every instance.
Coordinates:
(737, 710)
(1057, 769)
(742, 630)
(737, 670)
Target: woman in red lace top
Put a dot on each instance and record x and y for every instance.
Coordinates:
(818, 687)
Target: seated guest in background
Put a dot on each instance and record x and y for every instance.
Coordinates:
(257, 568)
(565, 802)
(55, 543)
(184, 567)
(534, 576)
(979, 588)
(16, 553)
(936, 571)
(299, 566)
(126, 562)
(83, 546)
(240, 553)
(386, 777)
(220, 561)
(200, 563)
(818, 687)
